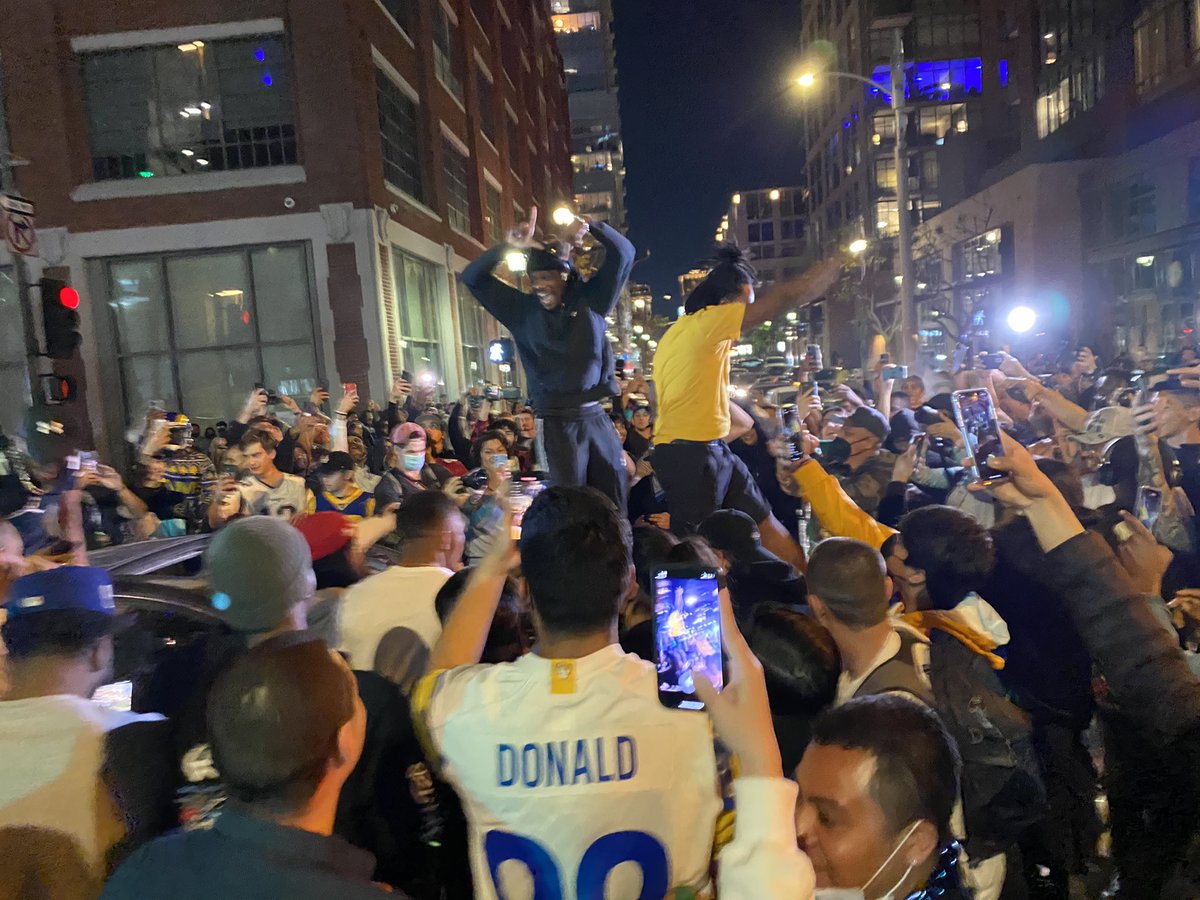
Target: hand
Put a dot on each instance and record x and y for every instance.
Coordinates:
(946, 429)
(456, 491)
(906, 464)
(348, 402)
(1145, 420)
(1189, 375)
(785, 470)
(1085, 362)
(1012, 368)
(1185, 611)
(845, 394)
(740, 713)
(1025, 486)
(256, 403)
(643, 469)
(316, 398)
(523, 236)
(660, 520)
(109, 477)
(578, 230)
(809, 404)
(400, 389)
(503, 556)
(291, 404)
(157, 440)
(1144, 558)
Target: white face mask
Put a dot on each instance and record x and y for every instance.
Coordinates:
(861, 893)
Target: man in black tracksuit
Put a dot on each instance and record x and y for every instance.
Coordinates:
(559, 331)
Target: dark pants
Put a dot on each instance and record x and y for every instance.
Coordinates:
(700, 478)
(583, 449)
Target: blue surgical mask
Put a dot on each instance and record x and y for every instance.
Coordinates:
(413, 462)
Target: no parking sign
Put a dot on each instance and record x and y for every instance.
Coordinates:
(19, 232)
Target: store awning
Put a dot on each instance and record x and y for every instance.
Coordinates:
(812, 284)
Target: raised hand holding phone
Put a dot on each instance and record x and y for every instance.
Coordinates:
(741, 712)
(687, 627)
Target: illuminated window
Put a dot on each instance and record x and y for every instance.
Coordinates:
(885, 174)
(200, 106)
(495, 222)
(575, 22)
(978, 257)
(1165, 42)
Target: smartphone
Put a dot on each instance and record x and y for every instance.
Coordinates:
(1148, 506)
(885, 358)
(789, 430)
(117, 696)
(323, 384)
(921, 439)
(894, 373)
(73, 462)
(406, 376)
(991, 360)
(687, 629)
(977, 420)
(349, 387)
(813, 352)
(88, 460)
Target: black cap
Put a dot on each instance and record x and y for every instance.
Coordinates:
(540, 260)
(338, 461)
(735, 534)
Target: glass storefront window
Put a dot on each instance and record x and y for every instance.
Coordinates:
(198, 331)
(417, 297)
(13, 374)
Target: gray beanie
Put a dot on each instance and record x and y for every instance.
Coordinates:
(259, 568)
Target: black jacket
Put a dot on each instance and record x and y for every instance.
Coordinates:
(566, 353)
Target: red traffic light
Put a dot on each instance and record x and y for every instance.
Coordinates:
(69, 297)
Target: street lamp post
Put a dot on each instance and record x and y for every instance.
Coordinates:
(908, 330)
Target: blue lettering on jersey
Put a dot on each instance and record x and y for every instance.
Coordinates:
(506, 765)
(582, 763)
(501, 846)
(556, 763)
(626, 758)
(563, 763)
(532, 770)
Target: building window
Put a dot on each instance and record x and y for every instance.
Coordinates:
(193, 330)
(1165, 41)
(417, 302)
(977, 257)
(404, 12)
(495, 223)
(755, 208)
(400, 133)
(768, 231)
(576, 22)
(487, 105)
(885, 174)
(200, 106)
(754, 230)
(929, 171)
(1079, 87)
(447, 53)
(458, 196)
(474, 339)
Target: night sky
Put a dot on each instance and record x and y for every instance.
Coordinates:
(705, 111)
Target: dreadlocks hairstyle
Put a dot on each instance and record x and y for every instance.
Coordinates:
(730, 270)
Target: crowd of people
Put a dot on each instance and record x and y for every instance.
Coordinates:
(944, 676)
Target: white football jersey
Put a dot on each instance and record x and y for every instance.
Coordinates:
(576, 781)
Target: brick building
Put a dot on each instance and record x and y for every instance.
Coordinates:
(274, 191)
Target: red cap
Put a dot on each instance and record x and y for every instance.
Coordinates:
(326, 532)
(402, 434)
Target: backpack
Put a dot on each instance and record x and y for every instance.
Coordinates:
(1002, 791)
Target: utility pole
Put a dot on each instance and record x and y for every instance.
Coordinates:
(904, 250)
(8, 185)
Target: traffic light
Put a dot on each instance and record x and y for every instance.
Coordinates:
(60, 318)
(500, 352)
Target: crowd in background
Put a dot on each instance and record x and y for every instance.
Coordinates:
(954, 689)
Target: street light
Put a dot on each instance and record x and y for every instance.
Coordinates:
(1022, 319)
(895, 25)
(563, 216)
(858, 246)
(516, 261)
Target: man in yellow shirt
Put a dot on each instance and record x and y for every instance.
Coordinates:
(692, 460)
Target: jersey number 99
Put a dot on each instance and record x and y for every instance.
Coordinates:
(604, 855)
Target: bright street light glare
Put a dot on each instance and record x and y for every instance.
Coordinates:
(1022, 319)
(563, 216)
(516, 261)
(858, 246)
(806, 80)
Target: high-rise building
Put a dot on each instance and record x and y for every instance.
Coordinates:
(585, 38)
(769, 224)
(279, 194)
(957, 81)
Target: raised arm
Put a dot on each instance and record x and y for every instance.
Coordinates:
(603, 291)
(506, 304)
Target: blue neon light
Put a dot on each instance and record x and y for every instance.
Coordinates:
(260, 54)
(267, 80)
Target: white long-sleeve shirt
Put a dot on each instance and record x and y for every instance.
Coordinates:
(762, 862)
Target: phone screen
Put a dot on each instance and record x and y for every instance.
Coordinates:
(977, 419)
(1148, 506)
(117, 696)
(687, 627)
